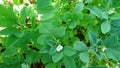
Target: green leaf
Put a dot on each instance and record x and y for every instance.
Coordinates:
(16, 2)
(42, 3)
(115, 3)
(57, 56)
(116, 23)
(111, 41)
(25, 65)
(44, 49)
(104, 15)
(11, 41)
(64, 1)
(34, 37)
(20, 34)
(96, 11)
(7, 17)
(52, 50)
(15, 65)
(52, 44)
(84, 57)
(5, 11)
(22, 42)
(112, 47)
(24, 13)
(43, 7)
(115, 16)
(80, 46)
(113, 54)
(9, 31)
(50, 65)
(46, 58)
(44, 12)
(42, 39)
(105, 27)
(79, 7)
(69, 62)
(100, 55)
(32, 56)
(72, 24)
(46, 28)
(59, 31)
(9, 60)
(69, 51)
(10, 51)
(88, 1)
(67, 17)
(93, 38)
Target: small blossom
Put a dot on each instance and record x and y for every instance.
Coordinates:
(80, 1)
(118, 63)
(53, 4)
(18, 8)
(38, 17)
(2, 36)
(30, 5)
(111, 11)
(104, 48)
(27, 1)
(59, 48)
(1, 28)
(1, 2)
(99, 4)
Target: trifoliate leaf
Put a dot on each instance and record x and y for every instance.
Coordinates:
(105, 27)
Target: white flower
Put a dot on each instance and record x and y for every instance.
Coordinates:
(80, 1)
(104, 48)
(118, 63)
(53, 4)
(30, 5)
(18, 8)
(1, 28)
(1, 2)
(99, 4)
(111, 11)
(39, 17)
(26, 1)
(2, 36)
(59, 48)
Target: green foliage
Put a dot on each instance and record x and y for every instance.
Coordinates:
(79, 7)
(96, 11)
(80, 46)
(69, 62)
(50, 65)
(69, 51)
(7, 13)
(93, 38)
(105, 27)
(60, 33)
(57, 57)
(84, 57)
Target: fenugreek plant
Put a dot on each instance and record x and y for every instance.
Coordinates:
(60, 33)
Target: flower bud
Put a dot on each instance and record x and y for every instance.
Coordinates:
(59, 48)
